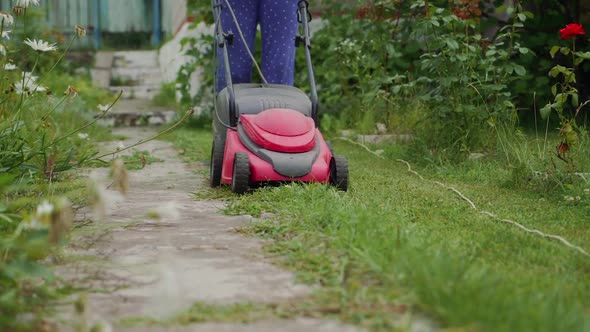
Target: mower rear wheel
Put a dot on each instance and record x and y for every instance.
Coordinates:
(216, 165)
(339, 173)
(241, 173)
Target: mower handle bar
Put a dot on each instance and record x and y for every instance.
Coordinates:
(305, 39)
(222, 40)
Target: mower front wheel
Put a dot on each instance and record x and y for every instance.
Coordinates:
(216, 164)
(339, 173)
(241, 173)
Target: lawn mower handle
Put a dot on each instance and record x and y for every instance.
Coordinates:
(222, 40)
(305, 39)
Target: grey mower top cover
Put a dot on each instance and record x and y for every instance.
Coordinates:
(255, 98)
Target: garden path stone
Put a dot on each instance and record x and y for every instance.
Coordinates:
(141, 267)
(137, 112)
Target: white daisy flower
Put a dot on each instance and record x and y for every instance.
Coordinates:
(28, 88)
(40, 45)
(83, 135)
(30, 84)
(45, 208)
(6, 18)
(9, 66)
(27, 3)
(34, 225)
(103, 108)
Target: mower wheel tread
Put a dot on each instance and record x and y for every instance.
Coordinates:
(216, 164)
(241, 173)
(339, 173)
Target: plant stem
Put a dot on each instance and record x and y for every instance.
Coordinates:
(58, 60)
(23, 92)
(44, 117)
(25, 23)
(165, 131)
(57, 140)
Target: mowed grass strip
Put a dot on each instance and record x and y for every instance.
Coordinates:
(395, 243)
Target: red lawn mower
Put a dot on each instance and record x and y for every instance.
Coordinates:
(268, 133)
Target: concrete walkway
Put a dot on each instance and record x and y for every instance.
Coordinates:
(154, 269)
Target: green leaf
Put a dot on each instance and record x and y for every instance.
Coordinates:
(557, 106)
(545, 111)
(575, 100)
(583, 55)
(523, 50)
(521, 17)
(520, 70)
(565, 50)
(570, 77)
(554, 50)
(554, 89)
(558, 70)
(6, 218)
(561, 98)
(578, 61)
(452, 44)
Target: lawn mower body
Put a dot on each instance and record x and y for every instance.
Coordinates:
(267, 133)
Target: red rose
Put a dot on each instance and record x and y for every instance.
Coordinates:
(572, 30)
(460, 14)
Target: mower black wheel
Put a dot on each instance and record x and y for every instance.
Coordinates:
(241, 173)
(339, 173)
(216, 165)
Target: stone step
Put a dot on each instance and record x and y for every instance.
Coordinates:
(101, 78)
(103, 60)
(136, 76)
(136, 59)
(137, 118)
(137, 92)
(127, 81)
(136, 73)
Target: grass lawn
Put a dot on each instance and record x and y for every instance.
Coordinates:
(396, 244)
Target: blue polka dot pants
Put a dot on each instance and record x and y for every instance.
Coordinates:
(278, 24)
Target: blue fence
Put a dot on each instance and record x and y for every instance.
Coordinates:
(158, 17)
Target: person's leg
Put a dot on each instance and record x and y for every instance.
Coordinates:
(278, 21)
(246, 12)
